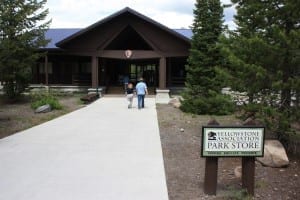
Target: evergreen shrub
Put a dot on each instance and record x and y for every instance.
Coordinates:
(43, 99)
(277, 122)
(215, 104)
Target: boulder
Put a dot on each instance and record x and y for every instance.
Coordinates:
(43, 109)
(274, 155)
(213, 122)
(175, 102)
(238, 172)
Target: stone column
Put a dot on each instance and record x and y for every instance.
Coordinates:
(95, 76)
(162, 73)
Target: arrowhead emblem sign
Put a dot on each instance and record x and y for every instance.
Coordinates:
(128, 53)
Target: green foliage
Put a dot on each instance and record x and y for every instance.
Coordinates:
(237, 194)
(247, 64)
(203, 85)
(262, 59)
(21, 34)
(277, 48)
(276, 120)
(215, 104)
(204, 53)
(43, 99)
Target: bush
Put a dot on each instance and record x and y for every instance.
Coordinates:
(216, 104)
(277, 121)
(237, 194)
(43, 99)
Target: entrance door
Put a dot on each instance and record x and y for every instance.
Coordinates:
(146, 69)
(117, 69)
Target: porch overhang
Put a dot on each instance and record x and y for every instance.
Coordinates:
(136, 54)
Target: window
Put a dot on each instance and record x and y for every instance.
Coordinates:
(42, 68)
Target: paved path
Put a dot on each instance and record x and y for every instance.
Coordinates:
(101, 152)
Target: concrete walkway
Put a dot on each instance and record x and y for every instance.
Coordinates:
(101, 152)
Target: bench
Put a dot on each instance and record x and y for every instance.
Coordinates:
(89, 98)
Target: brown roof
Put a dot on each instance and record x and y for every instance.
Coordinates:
(117, 14)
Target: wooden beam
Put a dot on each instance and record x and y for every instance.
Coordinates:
(248, 174)
(95, 76)
(211, 175)
(136, 54)
(46, 70)
(211, 170)
(162, 73)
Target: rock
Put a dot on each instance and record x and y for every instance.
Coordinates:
(175, 102)
(274, 155)
(252, 122)
(238, 172)
(213, 122)
(249, 121)
(43, 109)
(182, 130)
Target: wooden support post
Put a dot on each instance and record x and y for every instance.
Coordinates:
(248, 174)
(46, 70)
(211, 175)
(162, 73)
(248, 167)
(95, 72)
(211, 171)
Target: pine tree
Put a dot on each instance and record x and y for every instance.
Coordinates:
(246, 66)
(276, 25)
(202, 94)
(22, 30)
(263, 57)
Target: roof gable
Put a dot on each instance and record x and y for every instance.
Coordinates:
(128, 39)
(125, 11)
(58, 34)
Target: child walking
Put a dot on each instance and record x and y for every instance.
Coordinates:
(130, 94)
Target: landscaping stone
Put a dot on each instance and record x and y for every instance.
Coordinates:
(238, 172)
(43, 109)
(274, 154)
(175, 102)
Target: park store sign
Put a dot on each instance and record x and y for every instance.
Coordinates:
(241, 141)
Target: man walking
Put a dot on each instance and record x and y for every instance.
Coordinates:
(141, 91)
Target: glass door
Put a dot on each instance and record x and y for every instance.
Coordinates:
(147, 70)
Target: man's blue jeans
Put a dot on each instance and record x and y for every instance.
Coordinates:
(141, 98)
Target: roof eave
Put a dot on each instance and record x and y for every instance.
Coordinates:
(91, 27)
(50, 49)
(127, 9)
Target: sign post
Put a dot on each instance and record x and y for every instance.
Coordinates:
(211, 171)
(232, 141)
(248, 173)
